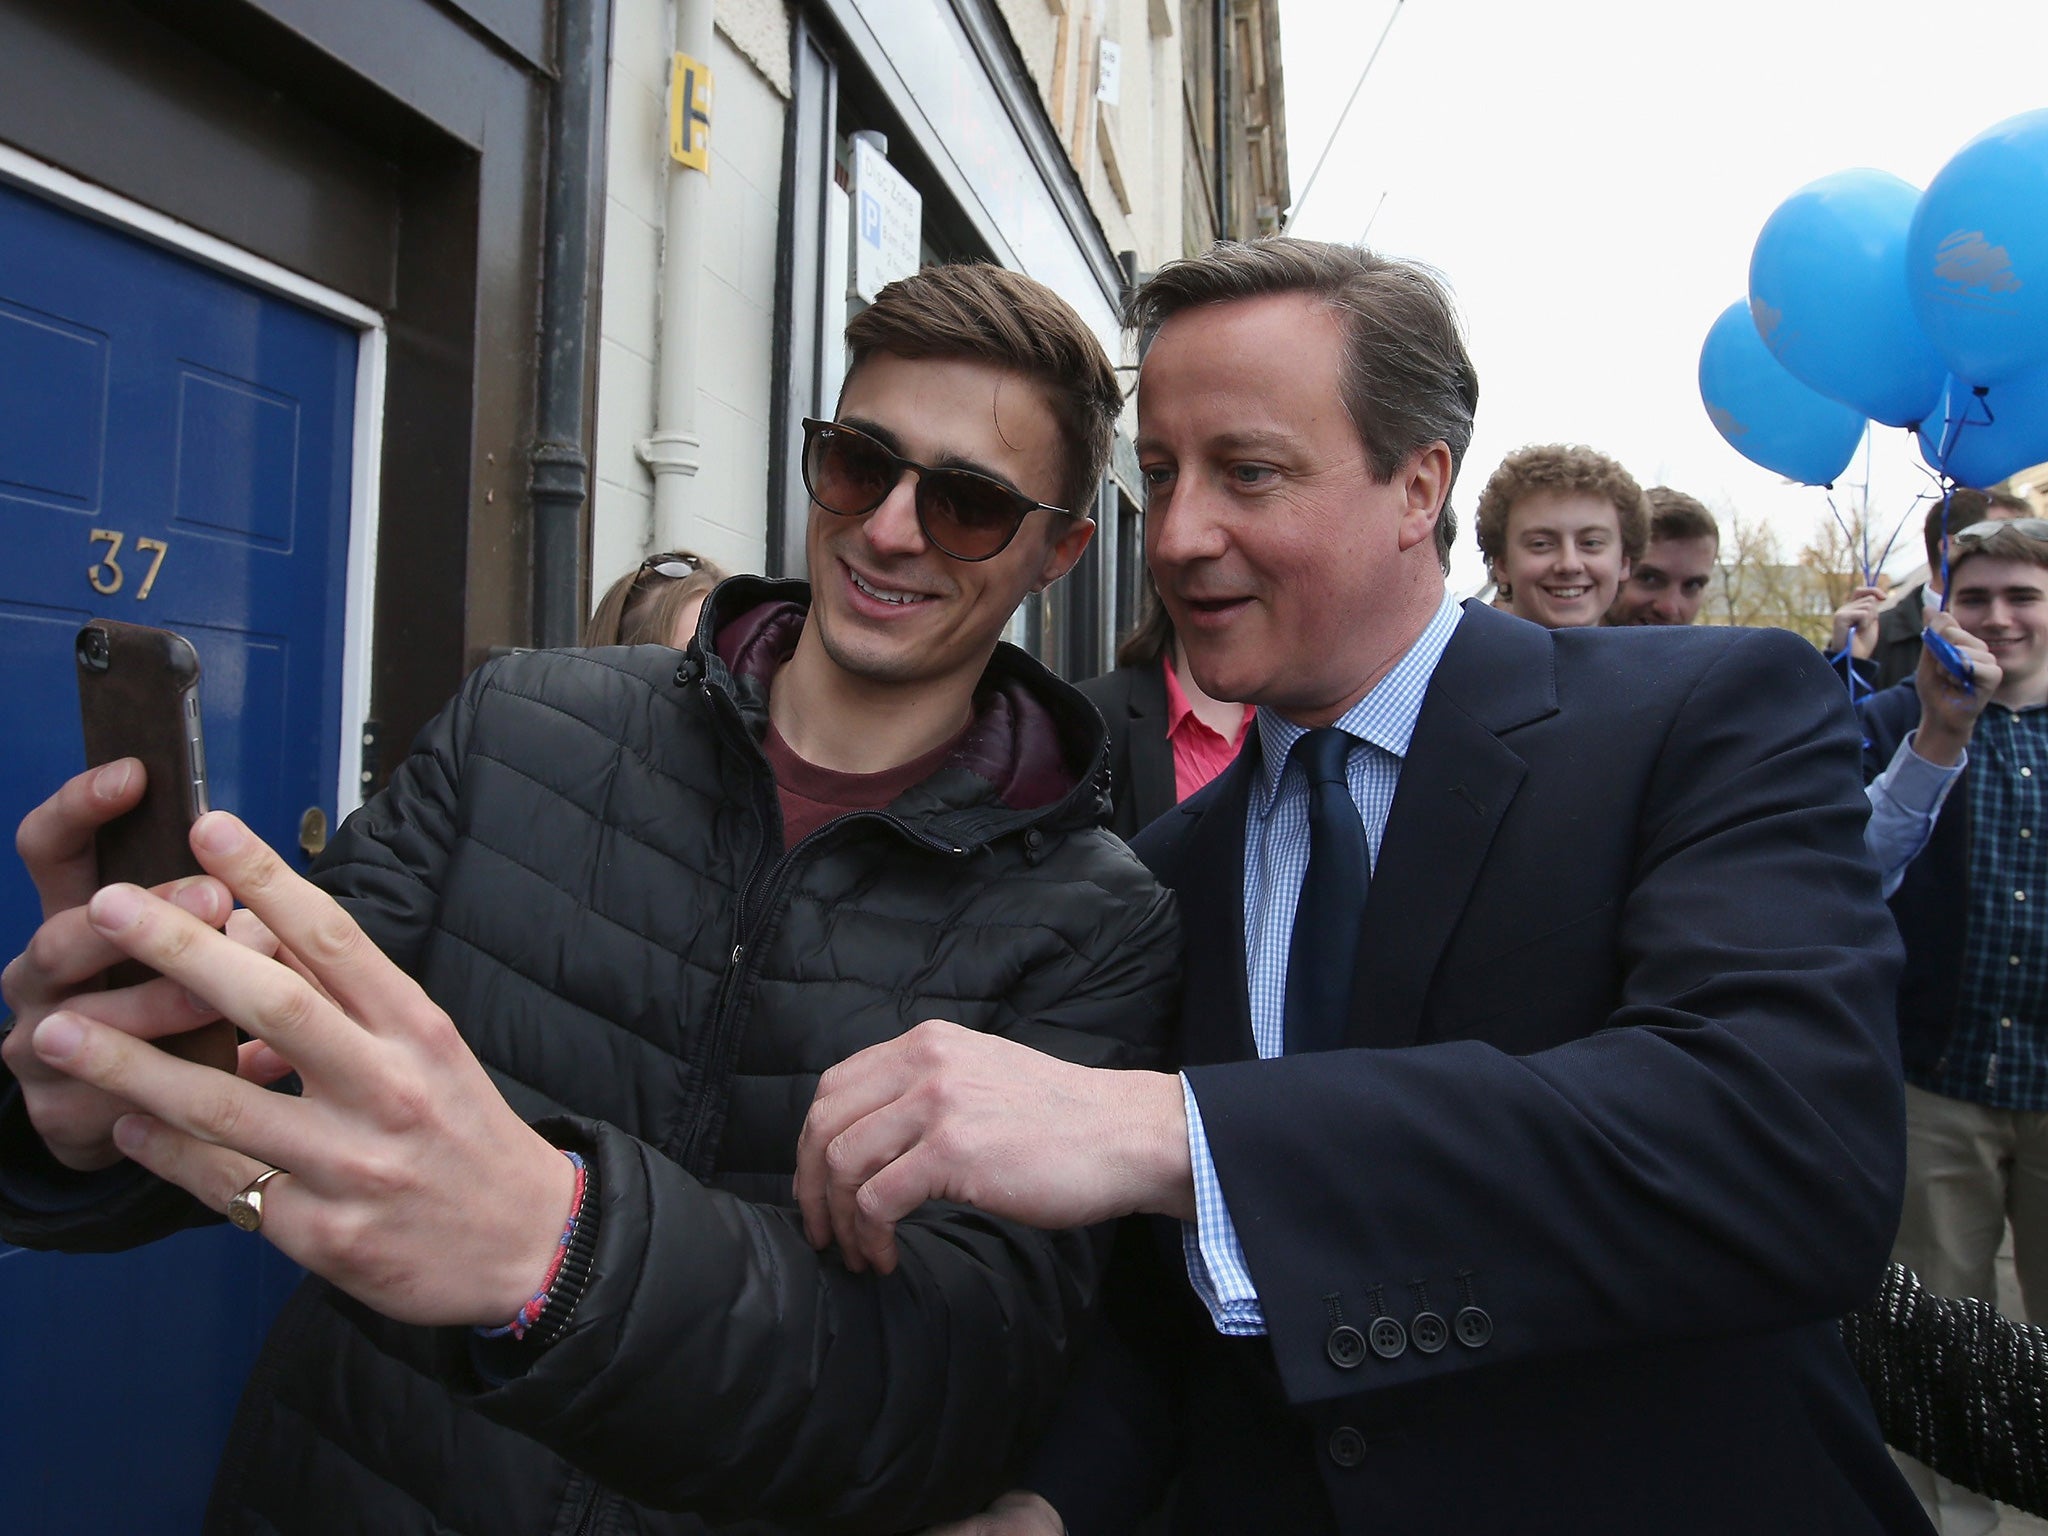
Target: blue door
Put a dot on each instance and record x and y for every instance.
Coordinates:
(175, 450)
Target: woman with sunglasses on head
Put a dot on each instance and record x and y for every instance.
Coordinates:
(1167, 738)
(655, 603)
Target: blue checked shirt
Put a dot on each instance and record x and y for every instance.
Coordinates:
(1998, 1053)
(1275, 861)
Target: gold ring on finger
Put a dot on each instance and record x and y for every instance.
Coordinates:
(245, 1210)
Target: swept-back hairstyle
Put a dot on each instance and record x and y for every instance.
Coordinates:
(1566, 467)
(1407, 380)
(990, 314)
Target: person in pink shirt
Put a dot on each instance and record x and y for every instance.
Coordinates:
(1167, 738)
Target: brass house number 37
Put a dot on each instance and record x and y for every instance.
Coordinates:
(106, 573)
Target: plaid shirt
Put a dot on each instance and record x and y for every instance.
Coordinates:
(1998, 1053)
(1275, 861)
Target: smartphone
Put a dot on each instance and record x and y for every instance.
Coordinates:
(138, 696)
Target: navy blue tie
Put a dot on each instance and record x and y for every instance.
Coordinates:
(1326, 921)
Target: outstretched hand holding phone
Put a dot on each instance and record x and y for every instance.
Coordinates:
(411, 1183)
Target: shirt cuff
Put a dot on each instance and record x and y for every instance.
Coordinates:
(1216, 1263)
(1916, 784)
(34, 1182)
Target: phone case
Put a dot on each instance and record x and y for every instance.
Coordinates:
(138, 696)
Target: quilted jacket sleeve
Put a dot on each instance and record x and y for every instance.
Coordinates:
(718, 1363)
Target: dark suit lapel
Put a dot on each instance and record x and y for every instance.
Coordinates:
(1208, 875)
(1153, 787)
(1456, 784)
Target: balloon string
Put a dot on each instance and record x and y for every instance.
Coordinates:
(1884, 558)
(1849, 534)
(1869, 572)
(1948, 491)
(1952, 430)
(1952, 427)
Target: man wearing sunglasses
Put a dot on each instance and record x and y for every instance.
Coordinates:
(1538, 1110)
(1973, 1000)
(629, 904)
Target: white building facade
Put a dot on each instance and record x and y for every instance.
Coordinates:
(849, 139)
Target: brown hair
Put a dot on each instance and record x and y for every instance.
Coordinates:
(2010, 542)
(1965, 507)
(974, 310)
(1675, 515)
(642, 606)
(1407, 380)
(1152, 636)
(1566, 467)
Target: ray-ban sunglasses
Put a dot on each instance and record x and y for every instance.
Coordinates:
(963, 514)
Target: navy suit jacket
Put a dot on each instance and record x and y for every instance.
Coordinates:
(1142, 787)
(1620, 1076)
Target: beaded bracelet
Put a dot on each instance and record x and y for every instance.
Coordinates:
(531, 1312)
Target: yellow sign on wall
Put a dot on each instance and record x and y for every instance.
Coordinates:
(689, 114)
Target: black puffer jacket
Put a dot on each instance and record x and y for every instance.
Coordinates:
(580, 863)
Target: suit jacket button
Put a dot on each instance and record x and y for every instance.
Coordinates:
(1429, 1332)
(1347, 1447)
(1346, 1346)
(1474, 1327)
(1388, 1337)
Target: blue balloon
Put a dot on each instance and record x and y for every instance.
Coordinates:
(1769, 417)
(1982, 439)
(1977, 257)
(1827, 290)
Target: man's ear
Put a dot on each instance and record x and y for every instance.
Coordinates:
(1064, 549)
(1425, 481)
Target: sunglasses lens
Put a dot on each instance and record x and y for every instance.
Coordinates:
(966, 516)
(846, 473)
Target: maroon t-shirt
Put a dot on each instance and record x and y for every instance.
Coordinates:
(812, 796)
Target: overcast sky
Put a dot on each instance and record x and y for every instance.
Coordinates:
(1591, 176)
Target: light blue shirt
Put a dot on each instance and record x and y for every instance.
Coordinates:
(1904, 801)
(1275, 860)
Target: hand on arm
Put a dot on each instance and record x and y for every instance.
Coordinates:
(1949, 711)
(946, 1113)
(1856, 624)
(413, 1186)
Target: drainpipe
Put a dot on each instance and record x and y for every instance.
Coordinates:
(672, 452)
(560, 484)
(1220, 71)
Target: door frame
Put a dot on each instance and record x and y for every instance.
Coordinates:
(366, 452)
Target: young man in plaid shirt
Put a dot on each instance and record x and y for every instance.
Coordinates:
(1973, 999)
